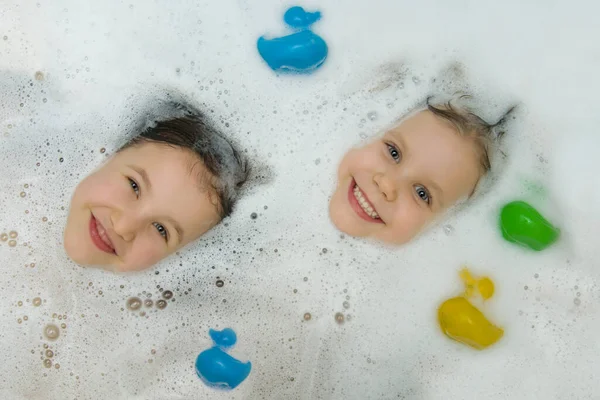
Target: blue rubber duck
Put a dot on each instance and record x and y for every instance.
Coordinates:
(303, 51)
(218, 369)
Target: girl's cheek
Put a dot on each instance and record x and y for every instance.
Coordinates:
(112, 189)
(351, 162)
(147, 254)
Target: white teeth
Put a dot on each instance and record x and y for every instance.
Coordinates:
(103, 234)
(364, 204)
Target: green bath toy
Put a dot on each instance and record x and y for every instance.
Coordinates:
(522, 224)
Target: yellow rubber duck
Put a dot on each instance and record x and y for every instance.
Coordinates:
(462, 321)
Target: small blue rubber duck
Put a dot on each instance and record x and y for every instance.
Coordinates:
(303, 51)
(218, 369)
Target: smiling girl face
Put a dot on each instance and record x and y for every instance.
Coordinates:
(143, 204)
(391, 188)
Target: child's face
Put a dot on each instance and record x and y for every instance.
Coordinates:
(140, 206)
(392, 187)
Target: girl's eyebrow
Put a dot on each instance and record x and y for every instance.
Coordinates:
(439, 192)
(178, 228)
(142, 172)
(395, 136)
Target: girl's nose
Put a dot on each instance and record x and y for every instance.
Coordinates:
(386, 186)
(125, 224)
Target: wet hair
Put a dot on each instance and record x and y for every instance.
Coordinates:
(469, 125)
(192, 131)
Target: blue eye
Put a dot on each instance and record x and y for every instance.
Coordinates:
(423, 193)
(161, 230)
(394, 152)
(134, 186)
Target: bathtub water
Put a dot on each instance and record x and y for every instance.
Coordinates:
(75, 75)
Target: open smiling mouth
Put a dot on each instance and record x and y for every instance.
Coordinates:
(100, 237)
(361, 205)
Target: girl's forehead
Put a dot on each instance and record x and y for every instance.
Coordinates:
(157, 156)
(172, 165)
(421, 120)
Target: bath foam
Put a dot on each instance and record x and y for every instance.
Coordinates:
(103, 62)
